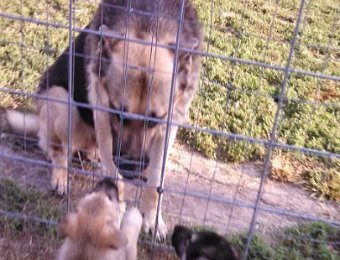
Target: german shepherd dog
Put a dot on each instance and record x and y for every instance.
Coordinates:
(98, 230)
(117, 68)
(202, 245)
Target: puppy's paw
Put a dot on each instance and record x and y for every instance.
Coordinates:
(134, 217)
(122, 207)
(59, 182)
(149, 222)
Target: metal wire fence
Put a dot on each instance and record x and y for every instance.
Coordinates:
(287, 62)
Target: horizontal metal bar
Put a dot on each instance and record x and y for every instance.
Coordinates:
(201, 53)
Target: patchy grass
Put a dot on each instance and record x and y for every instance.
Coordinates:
(241, 99)
(310, 241)
(324, 182)
(21, 239)
(307, 241)
(322, 178)
(234, 98)
(25, 238)
(29, 202)
(315, 240)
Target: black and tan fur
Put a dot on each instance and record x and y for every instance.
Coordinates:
(201, 245)
(127, 76)
(99, 229)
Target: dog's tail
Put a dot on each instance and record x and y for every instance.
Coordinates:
(22, 123)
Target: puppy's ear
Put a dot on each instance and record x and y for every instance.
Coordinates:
(181, 239)
(113, 237)
(107, 186)
(68, 225)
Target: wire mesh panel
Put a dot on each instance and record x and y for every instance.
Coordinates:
(256, 159)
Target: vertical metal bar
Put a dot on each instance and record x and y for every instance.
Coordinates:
(212, 181)
(151, 70)
(233, 204)
(196, 114)
(230, 84)
(169, 119)
(125, 64)
(273, 133)
(22, 25)
(70, 97)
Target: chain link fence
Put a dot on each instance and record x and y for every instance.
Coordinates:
(258, 160)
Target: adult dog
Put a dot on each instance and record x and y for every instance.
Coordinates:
(129, 65)
(98, 230)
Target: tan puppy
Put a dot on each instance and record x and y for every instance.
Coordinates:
(96, 230)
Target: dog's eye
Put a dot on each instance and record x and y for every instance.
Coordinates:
(151, 123)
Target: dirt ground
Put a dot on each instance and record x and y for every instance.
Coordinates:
(198, 191)
(217, 194)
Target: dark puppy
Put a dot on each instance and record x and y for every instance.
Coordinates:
(203, 245)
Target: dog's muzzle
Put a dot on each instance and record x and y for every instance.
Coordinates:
(131, 169)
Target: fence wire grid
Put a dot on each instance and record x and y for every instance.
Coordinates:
(262, 143)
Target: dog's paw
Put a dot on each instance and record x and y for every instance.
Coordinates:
(59, 182)
(149, 222)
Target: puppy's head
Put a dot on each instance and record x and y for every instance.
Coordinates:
(97, 219)
(180, 240)
(204, 245)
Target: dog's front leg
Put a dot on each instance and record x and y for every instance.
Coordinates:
(151, 193)
(104, 140)
(99, 99)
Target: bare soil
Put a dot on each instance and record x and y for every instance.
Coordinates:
(198, 191)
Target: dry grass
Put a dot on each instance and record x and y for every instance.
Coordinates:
(284, 168)
(322, 178)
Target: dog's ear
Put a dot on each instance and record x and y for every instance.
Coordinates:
(113, 237)
(106, 45)
(68, 225)
(110, 37)
(187, 46)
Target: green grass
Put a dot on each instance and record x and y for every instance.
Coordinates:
(320, 176)
(23, 238)
(315, 240)
(234, 98)
(27, 201)
(324, 182)
(241, 29)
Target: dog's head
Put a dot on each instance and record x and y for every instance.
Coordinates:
(97, 219)
(204, 245)
(137, 80)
